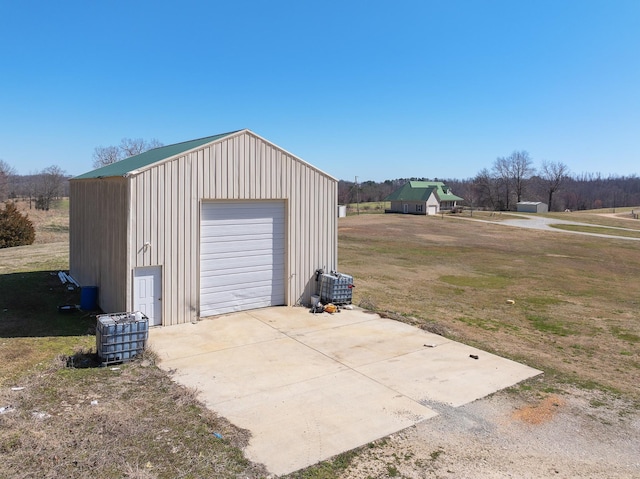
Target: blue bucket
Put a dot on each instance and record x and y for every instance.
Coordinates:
(89, 298)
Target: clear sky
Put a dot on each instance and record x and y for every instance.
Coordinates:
(374, 89)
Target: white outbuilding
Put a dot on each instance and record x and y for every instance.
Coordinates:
(532, 207)
(226, 223)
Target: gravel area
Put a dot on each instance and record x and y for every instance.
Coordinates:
(573, 434)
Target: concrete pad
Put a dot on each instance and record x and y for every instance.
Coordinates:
(190, 339)
(301, 424)
(309, 387)
(447, 374)
(297, 324)
(254, 369)
(368, 342)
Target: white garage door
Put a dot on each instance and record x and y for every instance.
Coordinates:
(242, 256)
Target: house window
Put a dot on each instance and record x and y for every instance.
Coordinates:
(418, 208)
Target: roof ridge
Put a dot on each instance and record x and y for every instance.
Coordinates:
(195, 139)
(152, 156)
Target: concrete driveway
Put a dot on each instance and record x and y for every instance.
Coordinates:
(543, 223)
(309, 386)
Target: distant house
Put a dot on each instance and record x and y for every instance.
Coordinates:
(532, 207)
(422, 198)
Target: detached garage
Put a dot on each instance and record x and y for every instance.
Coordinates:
(210, 226)
(532, 207)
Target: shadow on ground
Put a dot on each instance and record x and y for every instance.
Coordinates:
(30, 307)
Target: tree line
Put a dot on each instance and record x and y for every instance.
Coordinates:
(40, 188)
(509, 180)
(513, 179)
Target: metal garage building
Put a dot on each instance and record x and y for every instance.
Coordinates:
(219, 224)
(532, 207)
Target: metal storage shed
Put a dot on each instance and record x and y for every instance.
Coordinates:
(219, 224)
(532, 207)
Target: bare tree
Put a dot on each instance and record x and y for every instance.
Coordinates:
(502, 178)
(553, 174)
(49, 186)
(486, 187)
(131, 147)
(469, 190)
(512, 173)
(522, 168)
(6, 173)
(105, 155)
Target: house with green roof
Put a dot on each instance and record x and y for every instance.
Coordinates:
(225, 223)
(422, 198)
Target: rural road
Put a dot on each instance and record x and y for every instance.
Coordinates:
(542, 223)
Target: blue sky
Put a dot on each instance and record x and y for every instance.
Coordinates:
(374, 89)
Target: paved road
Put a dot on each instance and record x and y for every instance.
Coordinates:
(542, 223)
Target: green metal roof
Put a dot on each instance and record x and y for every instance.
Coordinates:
(128, 165)
(409, 192)
(420, 191)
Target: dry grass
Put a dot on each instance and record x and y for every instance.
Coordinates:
(126, 421)
(575, 297)
(69, 418)
(574, 315)
(51, 226)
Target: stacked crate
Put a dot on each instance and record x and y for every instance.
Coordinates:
(336, 288)
(120, 337)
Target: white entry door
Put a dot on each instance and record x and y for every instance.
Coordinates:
(147, 293)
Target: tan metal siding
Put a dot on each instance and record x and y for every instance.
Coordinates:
(165, 209)
(98, 238)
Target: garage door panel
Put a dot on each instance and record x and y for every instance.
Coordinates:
(242, 256)
(245, 229)
(241, 215)
(239, 300)
(222, 251)
(247, 245)
(262, 289)
(238, 304)
(241, 278)
(223, 266)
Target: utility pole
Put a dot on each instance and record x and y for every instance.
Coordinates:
(357, 197)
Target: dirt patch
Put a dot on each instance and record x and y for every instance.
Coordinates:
(481, 439)
(541, 412)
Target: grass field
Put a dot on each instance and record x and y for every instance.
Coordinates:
(61, 416)
(371, 207)
(575, 297)
(561, 302)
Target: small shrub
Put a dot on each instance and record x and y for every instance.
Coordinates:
(392, 471)
(43, 203)
(15, 229)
